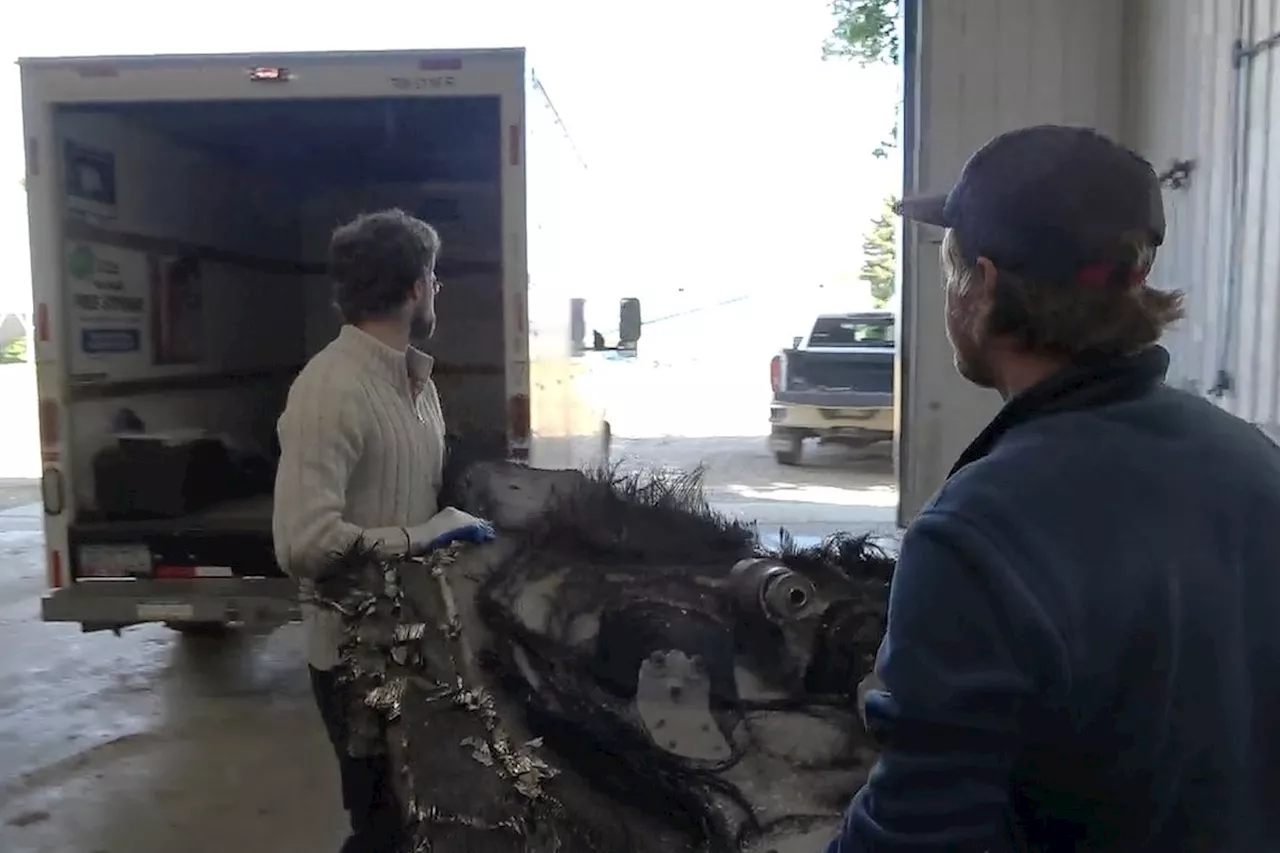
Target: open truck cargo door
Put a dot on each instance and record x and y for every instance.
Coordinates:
(568, 283)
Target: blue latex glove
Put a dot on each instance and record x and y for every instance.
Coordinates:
(447, 526)
(477, 534)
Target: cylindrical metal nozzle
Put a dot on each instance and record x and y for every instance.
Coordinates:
(765, 586)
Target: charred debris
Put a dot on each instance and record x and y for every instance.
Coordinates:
(625, 669)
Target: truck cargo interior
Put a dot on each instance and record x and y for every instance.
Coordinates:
(195, 236)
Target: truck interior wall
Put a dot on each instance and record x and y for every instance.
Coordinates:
(265, 303)
(468, 343)
(172, 201)
(974, 69)
(1180, 104)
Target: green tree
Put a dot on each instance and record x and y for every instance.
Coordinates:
(880, 253)
(14, 352)
(866, 31)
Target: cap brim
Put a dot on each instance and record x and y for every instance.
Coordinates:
(929, 209)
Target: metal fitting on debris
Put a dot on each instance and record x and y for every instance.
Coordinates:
(765, 586)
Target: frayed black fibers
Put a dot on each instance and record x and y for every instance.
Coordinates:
(642, 516)
(630, 564)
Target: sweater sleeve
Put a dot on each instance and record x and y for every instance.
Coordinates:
(321, 440)
(958, 669)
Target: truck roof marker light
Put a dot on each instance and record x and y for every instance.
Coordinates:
(270, 74)
(440, 63)
(94, 70)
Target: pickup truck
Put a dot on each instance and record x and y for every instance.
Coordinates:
(835, 384)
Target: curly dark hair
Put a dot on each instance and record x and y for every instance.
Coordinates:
(1053, 319)
(376, 259)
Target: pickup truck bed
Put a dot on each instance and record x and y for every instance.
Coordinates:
(836, 378)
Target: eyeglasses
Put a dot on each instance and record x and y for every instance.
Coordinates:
(436, 283)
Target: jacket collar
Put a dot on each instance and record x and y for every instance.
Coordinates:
(412, 365)
(1084, 386)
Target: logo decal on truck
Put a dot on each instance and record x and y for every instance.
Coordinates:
(420, 84)
(89, 176)
(80, 263)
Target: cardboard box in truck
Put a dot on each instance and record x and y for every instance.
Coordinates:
(180, 209)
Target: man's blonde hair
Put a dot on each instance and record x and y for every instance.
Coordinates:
(1069, 319)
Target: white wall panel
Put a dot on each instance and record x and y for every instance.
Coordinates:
(1164, 77)
(1187, 98)
(976, 68)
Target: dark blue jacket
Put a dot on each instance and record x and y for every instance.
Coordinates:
(1083, 649)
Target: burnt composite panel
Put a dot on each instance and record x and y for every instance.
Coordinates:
(512, 683)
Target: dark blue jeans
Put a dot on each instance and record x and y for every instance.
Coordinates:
(377, 821)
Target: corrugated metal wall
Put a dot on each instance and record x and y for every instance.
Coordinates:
(976, 68)
(1189, 98)
(1159, 74)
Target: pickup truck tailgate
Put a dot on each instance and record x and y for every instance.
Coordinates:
(838, 377)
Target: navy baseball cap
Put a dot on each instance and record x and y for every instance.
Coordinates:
(1053, 202)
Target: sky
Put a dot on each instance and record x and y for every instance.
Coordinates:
(735, 161)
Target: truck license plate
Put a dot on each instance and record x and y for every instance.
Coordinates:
(162, 611)
(114, 561)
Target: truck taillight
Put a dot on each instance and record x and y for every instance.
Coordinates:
(775, 373)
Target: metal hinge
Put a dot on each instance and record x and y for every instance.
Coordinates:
(1241, 51)
(1177, 175)
(1222, 384)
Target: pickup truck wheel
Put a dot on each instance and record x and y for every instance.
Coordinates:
(200, 629)
(791, 453)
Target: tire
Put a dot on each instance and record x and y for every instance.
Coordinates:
(792, 453)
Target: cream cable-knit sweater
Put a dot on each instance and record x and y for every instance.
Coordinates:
(361, 453)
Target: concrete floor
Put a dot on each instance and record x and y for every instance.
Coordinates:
(149, 742)
(153, 743)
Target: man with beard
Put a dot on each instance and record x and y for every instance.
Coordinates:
(1083, 651)
(361, 455)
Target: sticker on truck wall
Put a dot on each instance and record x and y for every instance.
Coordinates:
(90, 181)
(424, 83)
(108, 306)
(165, 612)
(133, 310)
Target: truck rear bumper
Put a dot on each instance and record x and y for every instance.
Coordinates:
(835, 399)
(113, 604)
(833, 421)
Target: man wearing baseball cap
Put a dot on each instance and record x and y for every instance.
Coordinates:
(1083, 650)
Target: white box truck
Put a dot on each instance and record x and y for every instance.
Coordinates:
(180, 208)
